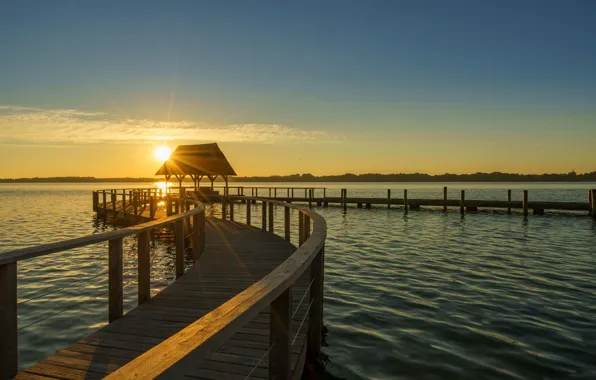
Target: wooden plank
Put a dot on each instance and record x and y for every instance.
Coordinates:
(59, 372)
(84, 364)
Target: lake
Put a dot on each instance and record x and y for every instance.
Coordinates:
(429, 295)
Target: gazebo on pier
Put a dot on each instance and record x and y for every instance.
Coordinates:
(197, 162)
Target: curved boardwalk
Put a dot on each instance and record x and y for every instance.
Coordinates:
(235, 257)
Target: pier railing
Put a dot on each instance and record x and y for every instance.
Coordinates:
(192, 220)
(211, 331)
(140, 200)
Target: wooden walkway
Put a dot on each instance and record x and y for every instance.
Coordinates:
(235, 257)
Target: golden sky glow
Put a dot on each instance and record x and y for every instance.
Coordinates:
(323, 90)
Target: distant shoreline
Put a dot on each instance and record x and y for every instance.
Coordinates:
(414, 177)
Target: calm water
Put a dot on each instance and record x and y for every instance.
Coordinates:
(426, 296)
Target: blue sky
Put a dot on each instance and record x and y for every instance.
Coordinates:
(334, 75)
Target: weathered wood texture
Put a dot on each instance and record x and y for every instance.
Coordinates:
(235, 257)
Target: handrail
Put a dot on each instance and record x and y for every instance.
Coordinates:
(211, 331)
(64, 245)
(9, 260)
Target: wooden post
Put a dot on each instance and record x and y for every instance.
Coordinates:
(231, 211)
(271, 220)
(525, 203)
(224, 208)
(9, 349)
(144, 270)
(306, 227)
(115, 279)
(509, 200)
(275, 192)
(95, 201)
(287, 233)
(292, 193)
(406, 201)
(152, 207)
(269, 192)
(462, 201)
(324, 193)
(196, 239)
(201, 226)
(248, 211)
(264, 221)
(134, 203)
(280, 322)
(113, 196)
(168, 205)
(445, 198)
(593, 193)
(300, 228)
(388, 198)
(123, 203)
(345, 204)
(590, 202)
(309, 198)
(179, 237)
(105, 206)
(256, 191)
(315, 316)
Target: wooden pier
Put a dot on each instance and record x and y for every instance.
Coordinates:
(318, 196)
(249, 307)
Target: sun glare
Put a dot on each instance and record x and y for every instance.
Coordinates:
(162, 153)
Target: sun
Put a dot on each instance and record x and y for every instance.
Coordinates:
(162, 153)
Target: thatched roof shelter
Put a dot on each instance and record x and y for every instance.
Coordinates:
(197, 161)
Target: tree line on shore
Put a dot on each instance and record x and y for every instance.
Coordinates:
(349, 177)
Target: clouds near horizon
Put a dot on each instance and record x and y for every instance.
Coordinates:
(21, 125)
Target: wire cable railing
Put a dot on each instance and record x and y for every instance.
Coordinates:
(104, 293)
(71, 285)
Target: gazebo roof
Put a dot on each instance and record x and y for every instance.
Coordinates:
(201, 159)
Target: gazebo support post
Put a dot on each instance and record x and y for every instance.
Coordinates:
(212, 179)
(180, 178)
(167, 176)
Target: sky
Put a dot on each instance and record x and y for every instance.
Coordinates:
(321, 87)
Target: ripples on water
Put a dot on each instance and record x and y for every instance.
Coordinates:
(425, 296)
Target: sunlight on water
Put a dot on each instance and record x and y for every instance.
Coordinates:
(163, 185)
(423, 296)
